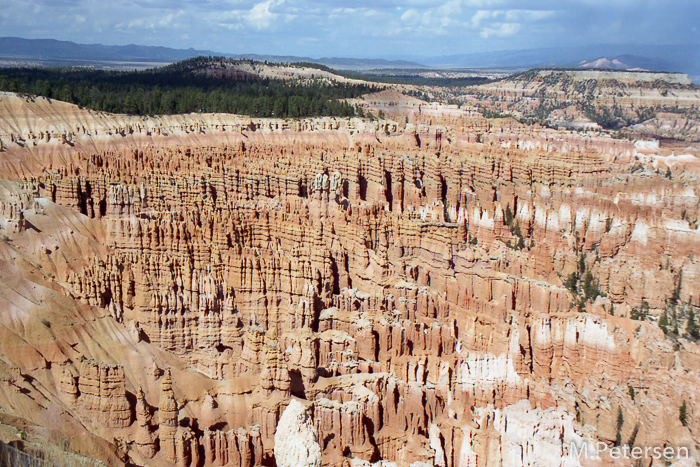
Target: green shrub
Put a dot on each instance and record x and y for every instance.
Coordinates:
(663, 323)
(691, 327)
(620, 422)
(683, 414)
(571, 282)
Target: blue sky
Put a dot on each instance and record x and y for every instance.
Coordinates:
(363, 28)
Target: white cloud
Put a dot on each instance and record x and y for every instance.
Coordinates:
(482, 4)
(260, 16)
(452, 7)
(527, 15)
(376, 27)
(153, 23)
(502, 30)
(411, 17)
(479, 17)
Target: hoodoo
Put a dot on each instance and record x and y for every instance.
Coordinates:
(295, 438)
(428, 288)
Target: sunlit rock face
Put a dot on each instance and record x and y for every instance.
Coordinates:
(295, 439)
(432, 294)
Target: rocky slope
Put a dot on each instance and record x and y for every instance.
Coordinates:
(450, 291)
(584, 99)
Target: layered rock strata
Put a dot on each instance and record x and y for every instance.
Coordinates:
(440, 295)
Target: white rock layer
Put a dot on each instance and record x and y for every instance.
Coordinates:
(296, 444)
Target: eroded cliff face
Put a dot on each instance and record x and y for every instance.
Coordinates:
(407, 281)
(626, 90)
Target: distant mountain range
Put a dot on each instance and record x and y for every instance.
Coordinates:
(50, 50)
(682, 58)
(675, 58)
(64, 53)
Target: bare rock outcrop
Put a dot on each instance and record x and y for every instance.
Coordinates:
(451, 291)
(295, 438)
(103, 393)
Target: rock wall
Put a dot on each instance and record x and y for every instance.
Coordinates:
(102, 392)
(430, 291)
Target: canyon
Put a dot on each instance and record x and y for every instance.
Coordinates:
(432, 288)
(663, 104)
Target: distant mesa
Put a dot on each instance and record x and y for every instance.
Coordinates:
(627, 76)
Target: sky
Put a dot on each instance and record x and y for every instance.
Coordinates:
(362, 28)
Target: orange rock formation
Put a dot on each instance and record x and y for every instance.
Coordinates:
(169, 284)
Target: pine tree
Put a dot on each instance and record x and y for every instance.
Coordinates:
(683, 414)
(508, 216)
(590, 290)
(620, 422)
(633, 436)
(692, 327)
(571, 282)
(663, 323)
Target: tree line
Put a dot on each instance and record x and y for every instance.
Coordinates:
(182, 88)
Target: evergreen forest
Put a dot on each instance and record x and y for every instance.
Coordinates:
(185, 87)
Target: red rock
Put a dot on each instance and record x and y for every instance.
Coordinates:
(330, 260)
